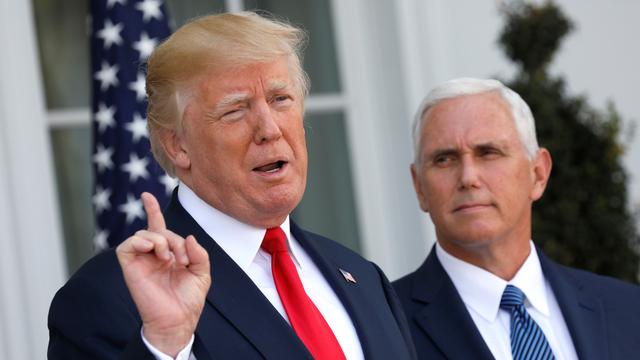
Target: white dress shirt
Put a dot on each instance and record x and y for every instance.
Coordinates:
(242, 243)
(481, 292)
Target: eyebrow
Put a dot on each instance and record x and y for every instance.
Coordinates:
(441, 152)
(240, 97)
(231, 99)
(490, 144)
(453, 151)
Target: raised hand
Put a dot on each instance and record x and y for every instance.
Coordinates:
(168, 277)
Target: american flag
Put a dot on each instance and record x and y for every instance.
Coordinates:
(123, 35)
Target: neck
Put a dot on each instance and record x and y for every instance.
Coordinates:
(258, 219)
(503, 261)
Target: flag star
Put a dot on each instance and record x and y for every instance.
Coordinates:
(101, 199)
(136, 167)
(102, 158)
(150, 9)
(139, 87)
(104, 116)
(111, 3)
(100, 239)
(107, 76)
(169, 183)
(110, 34)
(145, 45)
(138, 127)
(132, 208)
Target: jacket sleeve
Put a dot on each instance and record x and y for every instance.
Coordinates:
(93, 317)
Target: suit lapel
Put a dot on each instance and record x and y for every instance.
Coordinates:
(359, 308)
(234, 295)
(444, 317)
(582, 312)
(336, 280)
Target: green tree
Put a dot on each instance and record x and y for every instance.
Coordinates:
(583, 220)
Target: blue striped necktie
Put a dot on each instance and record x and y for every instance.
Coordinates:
(527, 339)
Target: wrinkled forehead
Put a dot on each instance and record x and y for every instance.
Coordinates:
(246, 79)
(236, 83)
(274, 73)
(477, 117)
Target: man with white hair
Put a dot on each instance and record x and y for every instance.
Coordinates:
(485, 291)
(223, 273)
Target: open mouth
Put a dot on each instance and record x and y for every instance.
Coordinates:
(271, 167)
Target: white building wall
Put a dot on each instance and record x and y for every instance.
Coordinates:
(391, 52)
(31, 261)
(371, 72)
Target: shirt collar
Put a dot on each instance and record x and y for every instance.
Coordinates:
(239, 240)
(530, 279)
(482, 290)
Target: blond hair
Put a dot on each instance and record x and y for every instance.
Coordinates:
(208, 43)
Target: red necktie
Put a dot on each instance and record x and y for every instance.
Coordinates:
(305, 318)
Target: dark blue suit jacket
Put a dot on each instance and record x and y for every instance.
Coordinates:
(94, 317)
(602, 314)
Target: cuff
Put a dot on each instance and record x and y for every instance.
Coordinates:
(182, 355)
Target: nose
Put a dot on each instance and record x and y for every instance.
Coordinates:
(469, 173)
(266, 125)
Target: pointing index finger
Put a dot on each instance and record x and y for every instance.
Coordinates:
(155, 220)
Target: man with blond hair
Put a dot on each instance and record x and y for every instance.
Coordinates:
(485, 290)
(223, 273)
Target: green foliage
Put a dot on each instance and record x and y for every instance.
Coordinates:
(583, 219)
(532, 34)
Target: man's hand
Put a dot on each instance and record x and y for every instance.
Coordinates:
(168, 277)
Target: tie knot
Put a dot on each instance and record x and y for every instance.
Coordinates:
(274, 241)
(511, 298)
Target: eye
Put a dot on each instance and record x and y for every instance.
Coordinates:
(281, 100)
(443, 160)
(489, 152)
(232, 114)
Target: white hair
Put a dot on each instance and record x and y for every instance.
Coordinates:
(521, 113)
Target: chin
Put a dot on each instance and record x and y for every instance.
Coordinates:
(281, 202)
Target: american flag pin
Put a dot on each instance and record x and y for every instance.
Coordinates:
(347, 276)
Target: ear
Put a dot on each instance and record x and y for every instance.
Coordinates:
(173, 144)
(417, 186)
(541, 170)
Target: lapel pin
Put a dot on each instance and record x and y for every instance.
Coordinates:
(347, 276)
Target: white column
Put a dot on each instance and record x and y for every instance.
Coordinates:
(234, 5)
(31, 256)
(377, 121)
(424, 63)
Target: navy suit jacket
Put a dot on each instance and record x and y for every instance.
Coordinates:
(94, 317)
(602, 314)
